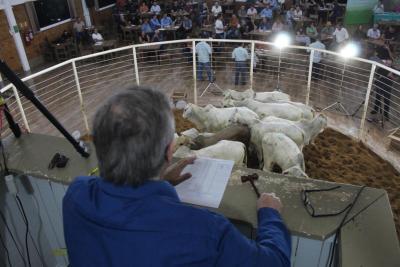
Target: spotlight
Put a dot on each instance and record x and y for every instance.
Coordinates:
(282, 40)
(349, 50)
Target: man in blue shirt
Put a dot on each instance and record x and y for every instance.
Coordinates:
(240, 55)
(166, 21)
(132, 216)
(155, 23)
(266, 12)
(203, 51)
(147, 31)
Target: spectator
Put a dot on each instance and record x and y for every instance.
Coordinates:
(302, 38)
(264, 25)
(266, 12)
(359, 34)
(383, 88)
(203, 51)
(79, 27)
(336, 12)
(289, 17)
(187, 24)
(317, 66)
(277, 26)
(328, 29)
(242, 12)
(390, 34)
(143, 8)
(216, 9)
(147, 31)
(155, 8)
(166, 21)
(374, 33)
(297, 13)
(340, 35)
(252, 11)
(97, 37)
(219, 28)
(240, 55)
(234, 27)
(311, 30)
(203, 15)
(155, 23)
(273, 4)
(378, 8)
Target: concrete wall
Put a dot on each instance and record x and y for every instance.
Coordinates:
(42, 201)
(7, 48)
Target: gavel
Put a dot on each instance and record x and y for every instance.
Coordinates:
(251, 178)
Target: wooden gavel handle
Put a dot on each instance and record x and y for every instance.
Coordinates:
(255, 188)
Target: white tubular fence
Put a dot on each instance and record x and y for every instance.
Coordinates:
(348, 88)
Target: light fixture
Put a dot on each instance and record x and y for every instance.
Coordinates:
(282, 40)
(349, 50)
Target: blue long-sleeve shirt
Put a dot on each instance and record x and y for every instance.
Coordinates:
(155, 24)
(166, 22)
(146, 28)
(266, 13)
(109, 225)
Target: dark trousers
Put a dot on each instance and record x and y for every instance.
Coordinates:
(383, 90)
(316, 71)
(200, 67)
(240, 70)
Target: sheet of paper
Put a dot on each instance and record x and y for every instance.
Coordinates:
(208, 182)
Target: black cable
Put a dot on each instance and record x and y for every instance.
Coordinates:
(12, 236)
(337, 233)
(6, 250)
(27, 229)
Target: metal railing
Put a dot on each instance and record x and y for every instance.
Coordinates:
(346, 89)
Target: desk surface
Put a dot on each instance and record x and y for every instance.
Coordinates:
(26, 155)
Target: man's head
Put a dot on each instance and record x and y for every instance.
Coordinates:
(375, 27)
(133, 135)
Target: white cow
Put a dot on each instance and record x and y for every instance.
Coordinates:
(312, 128)
(259, 96)
(281, 150)
(295, 171)
(214, 119)
(275, 125)
(228, 150)
(280, 110)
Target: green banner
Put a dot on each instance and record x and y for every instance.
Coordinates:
(359, 11)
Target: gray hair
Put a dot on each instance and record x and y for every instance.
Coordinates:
(131, 133)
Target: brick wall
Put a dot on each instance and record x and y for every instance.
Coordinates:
(8, 51)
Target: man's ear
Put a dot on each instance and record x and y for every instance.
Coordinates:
(170, 151)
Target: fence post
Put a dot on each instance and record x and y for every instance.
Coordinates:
(366, 101)
(78, 87)
(21, 109)
(136, 66)
(310, 67)
(251, 64)
(194, 72)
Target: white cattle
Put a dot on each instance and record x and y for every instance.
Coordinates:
(214, 119)
(278, 149)
(259, 96)
(312, 128)
(280, 110)
(228, 150)
(295, 171)
(275, 125)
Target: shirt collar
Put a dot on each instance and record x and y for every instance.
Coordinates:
(149, 188)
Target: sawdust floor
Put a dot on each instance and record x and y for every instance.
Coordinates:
(338, 158)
